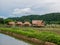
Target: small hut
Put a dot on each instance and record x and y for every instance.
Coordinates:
(11, 23)
(19, 23)
(27, 23)
(38, 23)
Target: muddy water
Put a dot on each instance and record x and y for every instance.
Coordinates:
(7, 40)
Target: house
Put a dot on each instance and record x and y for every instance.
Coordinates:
(19, 24)
(27, 23)
(38, 23)
(11, 23)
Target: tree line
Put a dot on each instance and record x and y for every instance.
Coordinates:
(51, 18)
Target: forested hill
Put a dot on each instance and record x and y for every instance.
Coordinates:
(48, 18)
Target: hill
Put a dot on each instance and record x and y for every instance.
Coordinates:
(48, 18)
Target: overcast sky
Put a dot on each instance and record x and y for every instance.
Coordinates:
(12, 8)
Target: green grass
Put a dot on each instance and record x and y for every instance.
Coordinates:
(44, 34)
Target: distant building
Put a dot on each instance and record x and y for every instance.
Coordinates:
(27, 23)
(38, 23)
(19, 24)
(11, 23)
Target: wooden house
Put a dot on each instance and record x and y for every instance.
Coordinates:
(11, 23)
(19, 24)
(27, 24)
(38, 23)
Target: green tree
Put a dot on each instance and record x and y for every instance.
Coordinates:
(8, 20)
(1, 21)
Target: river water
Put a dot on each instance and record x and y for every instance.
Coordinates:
(7, 40)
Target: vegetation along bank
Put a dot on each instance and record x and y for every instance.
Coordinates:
(33, 35)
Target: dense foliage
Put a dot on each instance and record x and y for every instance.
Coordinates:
(1, 21)
(52, 18)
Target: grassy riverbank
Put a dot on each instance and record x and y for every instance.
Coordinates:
(44, 34)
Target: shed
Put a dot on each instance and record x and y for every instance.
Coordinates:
(38, 23)
(11, 23)
(27, 23)
(19, 23)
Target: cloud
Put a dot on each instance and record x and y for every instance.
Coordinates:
(37, 7)
(22, 7)
(3, 17)
(20, 11)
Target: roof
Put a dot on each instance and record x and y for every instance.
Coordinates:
(36, 21)
(19, 23)
(26, 22)
(11, 22)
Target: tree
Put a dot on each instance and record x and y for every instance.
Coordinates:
(8, 20)
(1, 21)
(51, 18)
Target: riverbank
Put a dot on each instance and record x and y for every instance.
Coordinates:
(39, 38)
(37, 42)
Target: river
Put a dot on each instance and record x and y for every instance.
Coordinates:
(8, 40)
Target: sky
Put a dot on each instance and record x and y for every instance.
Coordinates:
(18, 8)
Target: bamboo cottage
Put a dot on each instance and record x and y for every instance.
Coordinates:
(27, 23)
(19, 24)
(38, 23)
(11, 23)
